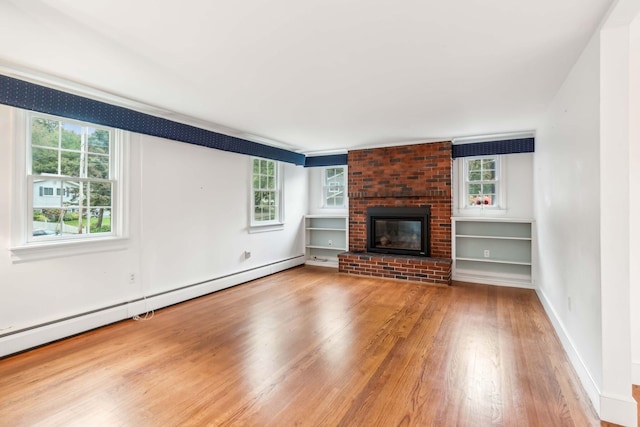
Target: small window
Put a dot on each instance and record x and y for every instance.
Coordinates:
(266, 197)
(334, 187)
(481, 182)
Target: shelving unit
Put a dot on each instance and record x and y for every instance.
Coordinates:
(325, 237)
(497, 251)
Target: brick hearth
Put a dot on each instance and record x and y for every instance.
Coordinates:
(403, 267)
(411, 176)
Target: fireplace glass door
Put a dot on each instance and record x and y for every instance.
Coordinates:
(398, 230)
(402, 234)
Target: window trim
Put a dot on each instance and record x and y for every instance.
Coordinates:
(25, 248)
(324, 204)
(500, 182)
(278, 222)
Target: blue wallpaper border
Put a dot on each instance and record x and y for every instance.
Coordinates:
(30, 96)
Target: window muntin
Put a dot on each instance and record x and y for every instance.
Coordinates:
(70, 178)
(266, 192)
(482, 182)
(334, 187)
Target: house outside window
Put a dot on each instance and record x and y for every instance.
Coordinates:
(482, 182)
(71, 179)
(334, 180)
(266, 192)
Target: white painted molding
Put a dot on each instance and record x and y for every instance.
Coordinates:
(493, 137)
(496, 279)
(590, 386)
(329, 263)
(24, 340)
(635, 372)
(622, 410)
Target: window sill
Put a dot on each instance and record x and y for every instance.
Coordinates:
(265, 228)
(481, 212)
(51, 249)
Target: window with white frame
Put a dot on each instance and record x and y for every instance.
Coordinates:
(71, 179)
(266, 200)
(482, 182)
(334, 184)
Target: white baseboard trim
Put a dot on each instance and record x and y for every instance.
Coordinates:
(635, 372)
(42, 334)
(328, 263)
(584, 375)
(497, 279)
(622, 410)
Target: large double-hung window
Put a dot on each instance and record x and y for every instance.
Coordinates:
(71, 179)
(266, 192)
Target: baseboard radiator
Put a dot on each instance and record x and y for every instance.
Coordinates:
(37, 335)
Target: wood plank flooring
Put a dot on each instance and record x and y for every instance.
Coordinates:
(309, 347)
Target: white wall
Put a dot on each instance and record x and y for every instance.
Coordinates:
(585, 183)
(517, 173)
(189, 211)
(567, 195)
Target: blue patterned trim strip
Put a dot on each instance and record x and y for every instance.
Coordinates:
(508, 146)
(332, 160)
(29, 96)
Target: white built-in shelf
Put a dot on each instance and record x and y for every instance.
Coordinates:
(493, 250)
(334, 248)
(325, 237)
(462, 236)
(495, 261)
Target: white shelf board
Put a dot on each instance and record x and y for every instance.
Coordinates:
(494, 261)
(469, 236)
(324, 229)
(333, 248)
(491, 219)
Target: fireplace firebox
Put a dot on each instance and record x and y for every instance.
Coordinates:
(398, 230)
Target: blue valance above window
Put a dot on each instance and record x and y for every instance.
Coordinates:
(507, 146)
(331, 160)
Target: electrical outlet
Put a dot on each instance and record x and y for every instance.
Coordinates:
(330, 242)
(247, 254)
(487, 253)
(132, 278)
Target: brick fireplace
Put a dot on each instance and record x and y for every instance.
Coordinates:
(405, 176)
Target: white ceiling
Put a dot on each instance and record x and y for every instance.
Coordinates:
(313, 75)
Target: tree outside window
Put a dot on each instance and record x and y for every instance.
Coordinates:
(481, 184)
(75, 159)
(266, 192)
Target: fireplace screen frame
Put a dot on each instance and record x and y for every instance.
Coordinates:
(379, 213)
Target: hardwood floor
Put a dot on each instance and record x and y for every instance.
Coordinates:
(309, 347)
